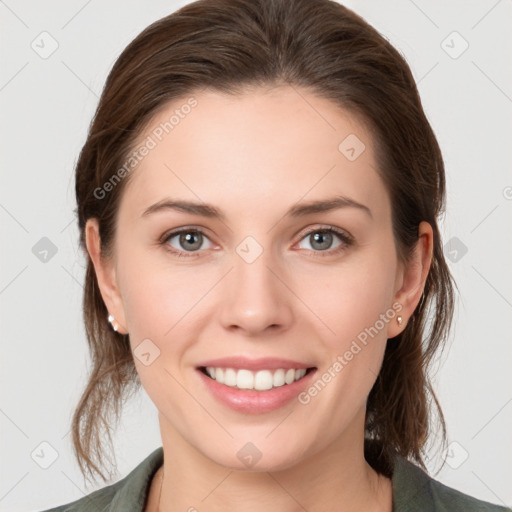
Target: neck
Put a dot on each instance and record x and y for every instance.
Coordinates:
(335, 478)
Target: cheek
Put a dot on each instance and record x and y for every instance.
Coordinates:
(159, 309)
(353, 306)
(350, 298)
(156, 296)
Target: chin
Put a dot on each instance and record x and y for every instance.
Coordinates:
(250, 459)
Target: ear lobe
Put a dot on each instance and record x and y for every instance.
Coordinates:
(414, 275)
(105, 274)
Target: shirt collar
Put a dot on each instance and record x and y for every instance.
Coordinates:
(134, 488)
(410, 486)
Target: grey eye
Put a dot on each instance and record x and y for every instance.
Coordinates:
(321, 240)
(188, 240)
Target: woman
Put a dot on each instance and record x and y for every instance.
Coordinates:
(258, 200)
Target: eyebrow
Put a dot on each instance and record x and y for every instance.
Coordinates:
(299, 210)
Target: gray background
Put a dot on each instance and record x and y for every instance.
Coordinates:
(47, 104)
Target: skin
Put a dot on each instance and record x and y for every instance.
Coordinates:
(272, 147)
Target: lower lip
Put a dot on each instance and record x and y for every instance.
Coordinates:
(250, 401)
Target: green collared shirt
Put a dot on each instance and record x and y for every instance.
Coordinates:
(413, 491)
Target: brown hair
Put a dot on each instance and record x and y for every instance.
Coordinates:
(229, 46)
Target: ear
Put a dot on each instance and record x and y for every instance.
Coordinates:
(411, 277)
(106, 275)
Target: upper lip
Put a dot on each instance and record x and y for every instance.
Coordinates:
(263, 363)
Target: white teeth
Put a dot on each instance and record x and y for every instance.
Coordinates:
(278, 378)
(300, 373)
(244, 379)
(230, 377)
(261, 380)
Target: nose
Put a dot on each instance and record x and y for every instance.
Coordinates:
(256, 297)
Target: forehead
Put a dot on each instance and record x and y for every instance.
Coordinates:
(266, 147)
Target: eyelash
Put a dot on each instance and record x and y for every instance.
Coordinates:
(345, 238)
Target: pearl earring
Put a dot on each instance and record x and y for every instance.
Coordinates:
(111, 320)
(399, 319)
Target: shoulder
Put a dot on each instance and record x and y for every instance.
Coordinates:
(130, 493)
(94, 502)
(414, 489)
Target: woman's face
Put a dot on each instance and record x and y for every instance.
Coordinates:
(254, 276)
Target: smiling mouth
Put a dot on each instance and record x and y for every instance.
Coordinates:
(261, 380)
